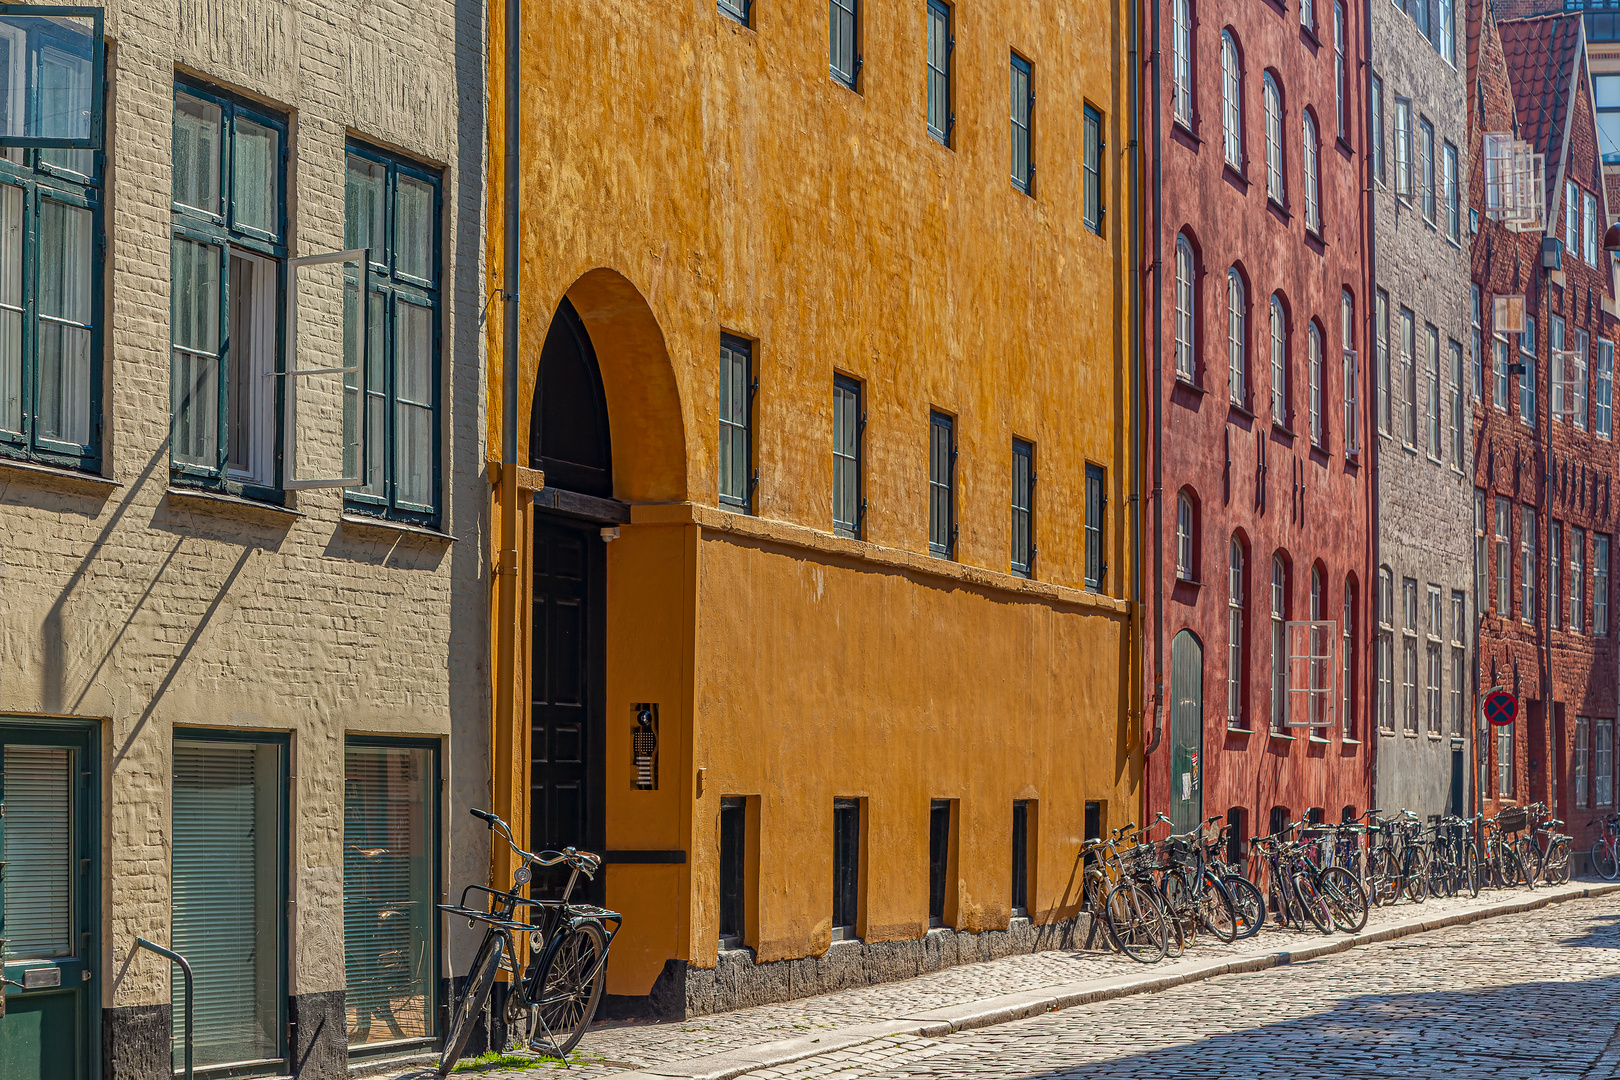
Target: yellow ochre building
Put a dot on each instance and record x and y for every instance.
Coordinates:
(814, 597)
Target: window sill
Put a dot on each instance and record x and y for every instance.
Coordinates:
(1284, 430)
(1241, 411)
(845, 936)
(1186, 129)
(1183, 384)
(1317, 739)
(1282, 211)
(1344, 145)
(1349, 742)
(361, 522)
(1192, 582)
(232, 506)
(1280, 735)
(1230, 730)
(54, 477)
(1236, 174)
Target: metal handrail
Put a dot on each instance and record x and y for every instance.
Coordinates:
(142, 943)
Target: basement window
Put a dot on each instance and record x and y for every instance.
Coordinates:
(733, 835)
(939, 852)
(1020, 859)
(846, 868)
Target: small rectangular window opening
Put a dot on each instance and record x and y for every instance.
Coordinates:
(848, 422)
(941, 485)
(939, 854)
(1023, 508)
(733, 836)
(1020, 859)
(846, 868)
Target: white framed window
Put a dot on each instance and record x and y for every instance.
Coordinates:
(1307, 15)
(1448, 32)
(1341, 74)
(1527, 564)
(1459, 663)
(1181, 61)
(1603, 391)
(1308, 152)
(1386, 651)
(1236, 629)
(1451, 190)
(1577, 580)
(1231, 102)
(1432, 686)
(1185, 366)
(1352, 402)
(1589, 228)
(1432, 372)
(1279, 362)
(1236, 337)
(1476, 358)
(1527, 357)
(1409, 381)
(1279, 643)
(1572, 219)
(1504, 561)
(1555, 571)
(1504, 761)
(1313, 349)
(1274, 152)
(1600, 585)
(1409, 656)
(1603, 763)
(1426, 185)
(1381, 373)
(1459, 424)
(1184, 537)
(1403, 147)
(1347, 712)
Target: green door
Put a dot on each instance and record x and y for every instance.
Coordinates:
(48, 913)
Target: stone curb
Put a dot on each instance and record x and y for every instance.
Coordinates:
(989, 1012)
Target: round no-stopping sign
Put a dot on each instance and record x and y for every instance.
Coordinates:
(1501, 707)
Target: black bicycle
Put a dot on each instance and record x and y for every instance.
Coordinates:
(551, 1000)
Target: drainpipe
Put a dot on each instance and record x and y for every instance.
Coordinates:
(1133, 96)
(1369, 680)
(1158, 399)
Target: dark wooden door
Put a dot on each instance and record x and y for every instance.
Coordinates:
(565, 767)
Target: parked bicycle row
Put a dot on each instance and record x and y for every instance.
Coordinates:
(1154, 898)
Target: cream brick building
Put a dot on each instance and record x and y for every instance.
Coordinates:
(226, 706)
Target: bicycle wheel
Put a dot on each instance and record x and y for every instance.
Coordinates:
(1179, 904)
(1248, 903)
(1470, 870)
(1441, 881)
(1558, 862)
(1311, 903)
(1384, 878)
(464, 1014)
(572, 978)
(1510, 867)
(1415, 875)
(1346, 899)
(1216, 909)
(1136, 922)
(1603, 861)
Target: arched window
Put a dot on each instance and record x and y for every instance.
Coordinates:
(1341, 101)
(1313, 195)
(1181, 60)
(1231, 101)
(1272, 99)
(1184, 537)
(1184, 309)
(1313, 358)
(1279, 362)
(1236, 629)
(1236, 350)
(1352, 383)
(1348, 707)
(1279, 642)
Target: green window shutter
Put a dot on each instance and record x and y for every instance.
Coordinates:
(226, 897)
(388, 893)
(36, 784)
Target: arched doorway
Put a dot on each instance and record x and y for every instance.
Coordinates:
(1186, 731)
(570, 441)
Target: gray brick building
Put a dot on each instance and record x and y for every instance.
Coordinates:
(227, 699)
(1424, 371)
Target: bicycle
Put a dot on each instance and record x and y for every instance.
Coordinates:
(1606, 848)
(1247, 900)
(1344, 896)
(1194, 891)
(1132, 915)
(1292, 885)
(552, 999)
(1498, 855)
(1549, 861)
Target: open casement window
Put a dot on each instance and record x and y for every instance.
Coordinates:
(1312, 670)
(51, 75)
(327, 411)
(1515, 182)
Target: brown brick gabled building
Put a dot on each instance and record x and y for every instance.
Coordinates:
(1545, 459)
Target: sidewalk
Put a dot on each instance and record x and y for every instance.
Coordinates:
(732, 1044)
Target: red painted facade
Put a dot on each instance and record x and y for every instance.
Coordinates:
(1249, 474)
(1544, 479)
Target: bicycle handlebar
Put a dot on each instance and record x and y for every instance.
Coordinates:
(583, 861)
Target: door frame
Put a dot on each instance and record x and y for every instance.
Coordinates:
(84, 736)
(1192, 726)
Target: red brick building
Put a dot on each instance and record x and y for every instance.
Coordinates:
(1543, 426)
(1257, 291)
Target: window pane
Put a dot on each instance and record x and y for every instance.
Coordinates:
(388, 893)
(196, 152)
(413, 228)
(363, 206)
(38, 851)
(255, 187)
(64, 327)
(194, 370)
(413, 437)
(244, 365)
(375, 399)
(11, 310)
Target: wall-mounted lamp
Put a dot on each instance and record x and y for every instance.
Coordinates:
(1611, 239)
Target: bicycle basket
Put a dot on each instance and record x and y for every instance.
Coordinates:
(1512, 819)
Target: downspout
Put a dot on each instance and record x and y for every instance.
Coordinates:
(1158, 402)
(1369, 680)
(1133, 97)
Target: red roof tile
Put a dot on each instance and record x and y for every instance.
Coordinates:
(1543, 57)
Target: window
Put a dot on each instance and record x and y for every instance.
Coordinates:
(1499, 371)
(941, 46)
(737, 9)
(1236, 337)
(1377, 122)
(941, 485)
(1432, 684)
(1451, 190)
(1555, 570)
(1386, 651)
(1603, 763)
(1589, 229)
(1184, 537)
(846, 884)
(1459, 434)
(393, 212)
(1381, 333)
(1409, 657)
(733, 870)
(1575, 372)
(1181, 61)
(1527, 564)
(1419, 10)
(1096, 507)
(1480, 586)
(1352, 403)
(1023, 508)
(1347, 709)
(1091, 169)
(1560, 369)
(1600, 585)
(1023, 105)
(736, 434)
(1307, 15)
(1409, 373)
(1313, 358)
(1606, 93)
(229, 230)
(1403, 147)
(1237, 627)
(849, 422)
(1448, 32)
(1317, 698)
(390, 884)
(1020, 859)
(1577, 579)
(1272, 99)
(50, 291)
(1279, 644)
(1504, 591)
(1603, 391)
(1476, 357)
(1527, 381)
(1432, 336)
(843, 61)
(939, 858)
(1185, 369)
(1341, 74)
(1231, 102)
(229, 808)
(1313, 192)
(1426, 169)
(1572, 218)
(1504, 761)
(1459, 663)
(1580, 766)
(1279, 362)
